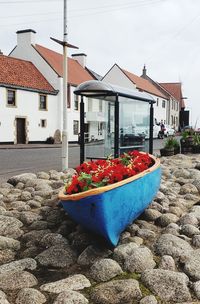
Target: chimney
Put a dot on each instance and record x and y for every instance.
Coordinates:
(1, 53)
(81, 58)
(144, 71)
(26, 37)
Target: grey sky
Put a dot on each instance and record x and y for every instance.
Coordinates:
(163, 34)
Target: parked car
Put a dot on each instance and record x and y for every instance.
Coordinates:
(169, 131)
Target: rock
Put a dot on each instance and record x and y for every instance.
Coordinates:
(192, 265)
(195, 211)
(10, 227)
(188, 188)
(75, 282)
(168, 285)
(26, 196)
(188, 219)
(30, 296)
(43, 175)
(57, 257)
(167, 263)
(28, 217)
(196, 241)
(35, 236)
(21, 178)
(151, 214)
(18, 266)
(116, 292)
(196, 287)
(3, 298)
(34, 204)
(104, 270)
(189, 230)
(169, 244)
(53, 239)
(181, 173)
(123, 251)
(70, 297)
(39, 225)
(91, 254)
(9, 243)
(17, 280)
(20, 206)
(140, 259)
(132, 229)
(166, 219)
(149, 300)
(146, 234)
(6, 256)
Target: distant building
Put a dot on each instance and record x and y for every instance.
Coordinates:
(118, 76)
(50, 64)
(28, 103)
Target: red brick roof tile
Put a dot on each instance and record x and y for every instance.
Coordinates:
(22, 73)
(76, 73)
(144, 85)
(174, 89)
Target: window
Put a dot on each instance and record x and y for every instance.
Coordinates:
(76, 102)
(43, 123)
(43, 102)
(172, 120)
(11, 101)
(177, 106)
(100, 128)
(163, 103)
(75, 127)
(157, 102)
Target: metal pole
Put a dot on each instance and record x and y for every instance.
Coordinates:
(65, 128)
(151, 129)
(82, 133)
(116, 139)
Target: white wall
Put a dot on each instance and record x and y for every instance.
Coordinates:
(117, 77)
(27, 106)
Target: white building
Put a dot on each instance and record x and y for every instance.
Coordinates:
(28, 104)
(123, 78)
(50, 64)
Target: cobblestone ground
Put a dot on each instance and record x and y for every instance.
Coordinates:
(47, 258)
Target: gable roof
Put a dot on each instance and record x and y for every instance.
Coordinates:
(22, 74)
(144, 85)
(175, 90)
(76, 73)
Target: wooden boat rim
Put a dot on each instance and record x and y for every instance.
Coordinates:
(96, 191)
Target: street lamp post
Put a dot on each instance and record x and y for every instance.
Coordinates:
(65, 44)
(65, 99)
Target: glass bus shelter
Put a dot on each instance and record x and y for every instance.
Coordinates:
(113, 120)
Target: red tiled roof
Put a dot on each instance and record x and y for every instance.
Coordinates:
(174, 89)
(22, 73)
(144, 85)
(76, 73)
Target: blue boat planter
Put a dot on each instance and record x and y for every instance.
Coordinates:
(108, 210)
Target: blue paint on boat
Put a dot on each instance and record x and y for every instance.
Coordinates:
(109, 213)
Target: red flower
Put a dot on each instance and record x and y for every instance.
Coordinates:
(103, 172)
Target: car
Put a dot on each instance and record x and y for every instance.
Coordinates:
(169, 131)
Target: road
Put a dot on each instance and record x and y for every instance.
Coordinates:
(17, 161)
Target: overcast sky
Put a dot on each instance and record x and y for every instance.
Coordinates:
(163, 34)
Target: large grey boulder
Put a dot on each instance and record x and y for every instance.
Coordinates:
(17, 280)
(57, 256)
(10, 227)
(30, 296)
(116, 292)
(75, 282)
(168, 285)
(18, 266)
(9, 243)
(169, 244)
(140, 260)
(70, 297)
(123, 251)
(104, 270)
(192, 265)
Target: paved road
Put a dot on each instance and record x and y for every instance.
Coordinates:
(16, 161)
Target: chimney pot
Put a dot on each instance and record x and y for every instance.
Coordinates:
(81, 58)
